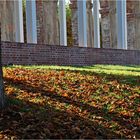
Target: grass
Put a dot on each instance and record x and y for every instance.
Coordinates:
(106, 69)
(100, 101)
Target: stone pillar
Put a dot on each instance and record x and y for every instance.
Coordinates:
(109, 24)
(113, 25)
(82, 23)
(90, 27)
(18, 18)
(96, 24)
(12, 20)
(133, 24)
(39, 14)
(121, 25)
(31, 21)
(131, 36)
(63, 25)
(7, 20)
(105, 24)
(137, 25)
(47, 22)
(74, 21)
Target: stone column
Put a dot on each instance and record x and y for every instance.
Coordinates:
(63, 25)
(7, 20)
(47, 22)
(74, 21)
(113, 25)
(18, 18)
(82, 23)
(12, 20)
(90, 27)
(90, 30)
(96, 24)
(39, 14)
(105, 24)
(121, 25)
(109, 24)
(135, 19)
(31, 21)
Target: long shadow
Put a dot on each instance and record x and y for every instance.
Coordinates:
(115, 68)
(120, 119)
(133, 66)
(131, 80)
(122, 79)
(107, 68)
(45, 122)
(130, 70)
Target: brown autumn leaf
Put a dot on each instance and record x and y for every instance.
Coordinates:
(68, 104)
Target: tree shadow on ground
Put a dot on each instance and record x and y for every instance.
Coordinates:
(64, 124)
(131, 80)
(118, 69)
(25, 120)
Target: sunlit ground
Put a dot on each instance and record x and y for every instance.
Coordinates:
(100, 101)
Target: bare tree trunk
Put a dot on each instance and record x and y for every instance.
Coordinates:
(2, 96)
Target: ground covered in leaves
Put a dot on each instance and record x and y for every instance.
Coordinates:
(68, 102)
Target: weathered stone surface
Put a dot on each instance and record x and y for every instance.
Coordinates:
(90, 26)
(47, 22)
(131, 31)
(109, 26)
(113, 24)
(108, 23)
(105, 24)
(90, 30)
(74, 21)
(7, 20)
(137, 25)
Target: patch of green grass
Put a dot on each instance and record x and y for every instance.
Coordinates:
(106, 69)
(14, 101)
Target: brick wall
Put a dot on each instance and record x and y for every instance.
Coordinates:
(37, 54)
